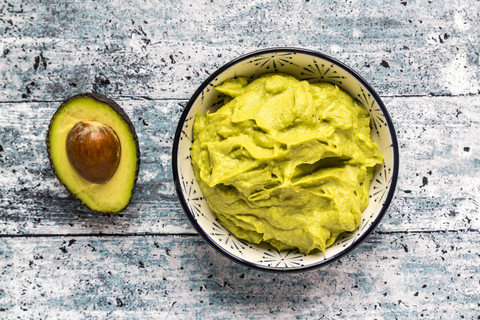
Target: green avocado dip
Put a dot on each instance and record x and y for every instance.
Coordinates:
(285, 162)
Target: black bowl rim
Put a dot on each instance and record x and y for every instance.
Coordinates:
(360, 239)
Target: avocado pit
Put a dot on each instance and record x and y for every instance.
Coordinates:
(94, 151)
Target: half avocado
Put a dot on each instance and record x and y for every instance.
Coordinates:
(93, 149)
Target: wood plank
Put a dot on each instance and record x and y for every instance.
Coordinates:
(438, 188)
(49, 52)
(433, 275)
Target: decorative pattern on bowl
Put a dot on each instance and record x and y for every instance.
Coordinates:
(305, 65)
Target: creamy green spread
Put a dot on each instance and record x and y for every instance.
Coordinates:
(286, 162)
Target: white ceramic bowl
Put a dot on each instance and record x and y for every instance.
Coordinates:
(305, 65)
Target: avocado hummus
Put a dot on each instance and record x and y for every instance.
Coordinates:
(286, 162)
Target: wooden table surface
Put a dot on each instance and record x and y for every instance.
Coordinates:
(59, 260)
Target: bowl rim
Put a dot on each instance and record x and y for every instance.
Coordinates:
(357, 241)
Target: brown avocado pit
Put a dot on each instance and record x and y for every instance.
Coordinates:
(94, 150)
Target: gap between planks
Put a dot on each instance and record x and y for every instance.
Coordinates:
(142, 98)
(193, 234)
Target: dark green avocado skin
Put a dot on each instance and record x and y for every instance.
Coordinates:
(116, 107)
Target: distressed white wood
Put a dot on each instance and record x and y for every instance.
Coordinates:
(412, 275)
(438, 186)
(59, 260)
(166, 50)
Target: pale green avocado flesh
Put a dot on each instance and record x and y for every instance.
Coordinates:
(114, 195)
(285, 162)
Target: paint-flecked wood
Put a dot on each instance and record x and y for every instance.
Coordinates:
(166, 50)
(439, 173)
(59, 260)
(429, 275)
